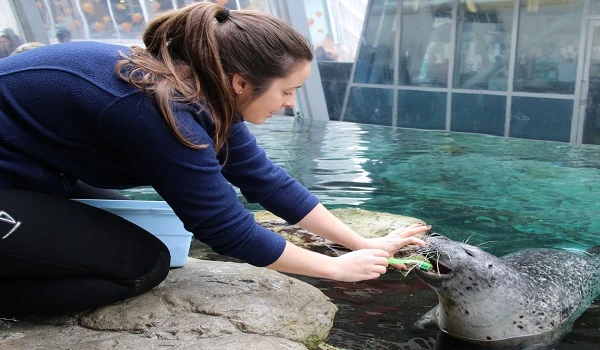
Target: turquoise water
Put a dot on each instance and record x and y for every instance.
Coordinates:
(510, 193)
(507, 193)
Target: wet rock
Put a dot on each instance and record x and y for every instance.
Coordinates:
(205, 305)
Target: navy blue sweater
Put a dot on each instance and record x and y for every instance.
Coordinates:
(66, 116)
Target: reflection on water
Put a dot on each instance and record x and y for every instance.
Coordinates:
(509, 193)
(539, 194)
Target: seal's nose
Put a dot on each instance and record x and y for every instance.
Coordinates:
(434, 235)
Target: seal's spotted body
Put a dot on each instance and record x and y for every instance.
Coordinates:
(486, 299)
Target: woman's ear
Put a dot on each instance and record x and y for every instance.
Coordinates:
(238, 84)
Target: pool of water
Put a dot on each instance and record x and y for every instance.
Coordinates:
(507, 193)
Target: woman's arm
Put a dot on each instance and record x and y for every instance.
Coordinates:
(323, 223)
(351, 267)
(367, 261)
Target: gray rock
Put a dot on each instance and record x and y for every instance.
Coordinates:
(205, 305)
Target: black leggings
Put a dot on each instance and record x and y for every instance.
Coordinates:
(58, 255)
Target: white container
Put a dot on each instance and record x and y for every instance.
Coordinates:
(156, 217)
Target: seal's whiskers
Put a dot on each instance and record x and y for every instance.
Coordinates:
(483, 243)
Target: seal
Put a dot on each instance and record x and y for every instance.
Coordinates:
(531, 296)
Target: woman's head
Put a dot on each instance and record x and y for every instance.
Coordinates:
(197, 52)
(280, 93)
(260, 48)
(265, 60)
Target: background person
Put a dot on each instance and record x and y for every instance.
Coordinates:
(9, 41)
(81, 119)
(63, 35)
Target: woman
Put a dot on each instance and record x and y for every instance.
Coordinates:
(80, 119)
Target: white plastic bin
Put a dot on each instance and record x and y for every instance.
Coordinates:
(155, 217)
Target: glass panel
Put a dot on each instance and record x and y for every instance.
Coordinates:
(111, 20)
(425, 43)
(320, 29)
(548, 45)
(347, 19)
(591, 125)
(129, 18)
(155, 7)
(595, 7)
(7, 16)
(483, 44)
(334, 77)
(375, 63)
(370, 106)
(485, 114)
(541, 118)
(256, 5)
(62, 20)
(422, 109)
(98, 22)
(48, 13)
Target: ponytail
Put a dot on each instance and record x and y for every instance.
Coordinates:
(192, 53)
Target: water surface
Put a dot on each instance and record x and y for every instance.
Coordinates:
(509, 194)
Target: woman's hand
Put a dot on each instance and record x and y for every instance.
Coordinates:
(355, 266)
(359, 265)
(362, 264)
(368, 259)
(398, 238)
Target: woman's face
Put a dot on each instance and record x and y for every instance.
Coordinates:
(281, 93)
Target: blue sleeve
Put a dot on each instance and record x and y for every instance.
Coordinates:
(263, 182)
(190, 180)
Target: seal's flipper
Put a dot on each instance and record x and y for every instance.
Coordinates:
(428, 321)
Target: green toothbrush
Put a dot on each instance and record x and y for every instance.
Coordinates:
(422, 265)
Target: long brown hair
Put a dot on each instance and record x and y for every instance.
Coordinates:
(192, 53)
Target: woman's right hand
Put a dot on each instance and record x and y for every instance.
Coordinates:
(359, 265)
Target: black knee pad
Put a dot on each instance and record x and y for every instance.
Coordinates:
(156, 275)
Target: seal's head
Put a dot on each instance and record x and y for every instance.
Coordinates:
(452, 261)
(473, 287)
(487, 300)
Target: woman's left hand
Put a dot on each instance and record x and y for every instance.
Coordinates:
(398, 238)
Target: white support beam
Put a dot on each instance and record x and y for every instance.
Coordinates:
(310, 102)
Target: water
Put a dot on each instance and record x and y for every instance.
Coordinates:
(509, 193)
